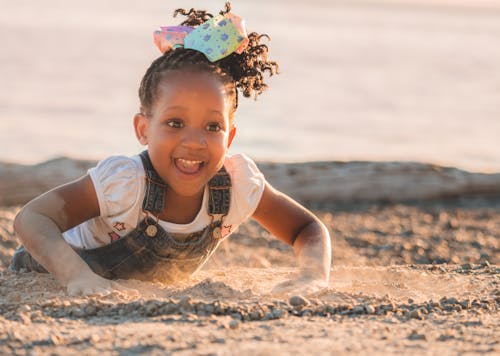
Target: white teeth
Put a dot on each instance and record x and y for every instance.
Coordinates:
(188, 166)
(187, 162)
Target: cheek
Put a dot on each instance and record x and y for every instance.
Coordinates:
(161, 134)
(218, 142)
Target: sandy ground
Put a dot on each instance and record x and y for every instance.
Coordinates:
(385, 297)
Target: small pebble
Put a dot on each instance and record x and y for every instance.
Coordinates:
(369, 309)
(90, 310)
(278, 313)
(24, 308)
(234, 324)
(445, 337)
(466, 266)
(150, 308)
(306, 312)
(209, 308)
(56, 339)
(236, 316)
(298, 301)
(389, 307)
(466, 303)
(185, 302)
(358, 309)
(255, 315)
(268, 316)
(170, 308)
(415, 314)
(416, 336)
(77, 312)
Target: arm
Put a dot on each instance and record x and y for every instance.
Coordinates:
(295, 225)
(39, 226)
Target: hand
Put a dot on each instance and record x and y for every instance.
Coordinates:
(92, 284)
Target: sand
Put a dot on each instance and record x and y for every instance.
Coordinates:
(385, 296)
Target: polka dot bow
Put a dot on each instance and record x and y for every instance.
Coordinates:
(216, 38)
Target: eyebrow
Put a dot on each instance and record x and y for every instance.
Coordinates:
(216, 112)
(176, 107)
(179, 107)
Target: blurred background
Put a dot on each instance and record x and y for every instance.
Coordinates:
(360, 80)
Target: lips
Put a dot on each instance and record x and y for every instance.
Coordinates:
(188, 166)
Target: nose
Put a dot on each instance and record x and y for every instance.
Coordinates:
(194, 138)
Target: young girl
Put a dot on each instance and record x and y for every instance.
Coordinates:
(161, 214)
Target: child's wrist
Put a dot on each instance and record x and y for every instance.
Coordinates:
(77, 274)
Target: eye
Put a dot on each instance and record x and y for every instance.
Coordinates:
(175, 123)
(214, 126)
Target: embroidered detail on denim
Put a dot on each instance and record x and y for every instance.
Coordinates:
(226, 230)
(119, 226)
(114, 236)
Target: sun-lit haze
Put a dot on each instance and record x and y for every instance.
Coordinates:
(392, 80)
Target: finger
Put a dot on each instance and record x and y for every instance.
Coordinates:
(98, 291)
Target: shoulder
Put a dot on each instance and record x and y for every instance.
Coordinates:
(241, 166)
(117, 166)
(247, 186)
(117, 181)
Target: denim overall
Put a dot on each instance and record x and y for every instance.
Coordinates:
(149, 252)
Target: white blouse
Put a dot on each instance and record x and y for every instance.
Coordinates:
(120, 185)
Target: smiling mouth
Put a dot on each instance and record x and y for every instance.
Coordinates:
(187, 166)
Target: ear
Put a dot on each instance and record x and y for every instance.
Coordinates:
(232, 133)
(141, 123)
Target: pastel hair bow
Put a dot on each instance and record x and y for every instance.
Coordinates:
(215, 38)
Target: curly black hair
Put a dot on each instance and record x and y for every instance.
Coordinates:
(244, 72)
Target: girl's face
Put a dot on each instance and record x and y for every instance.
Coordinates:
(188, 130)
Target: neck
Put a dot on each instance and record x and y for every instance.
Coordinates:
(181, 209)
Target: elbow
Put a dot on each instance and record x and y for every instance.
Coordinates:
(321, 226)
(314, 231)
(22, 223)
(18, 224)
(325, 235)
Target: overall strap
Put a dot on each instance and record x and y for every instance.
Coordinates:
(154, 199)
(220, 193)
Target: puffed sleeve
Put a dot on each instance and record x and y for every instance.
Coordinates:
(116, 182)
(248, 184)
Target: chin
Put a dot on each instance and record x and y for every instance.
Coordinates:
(190, 191)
